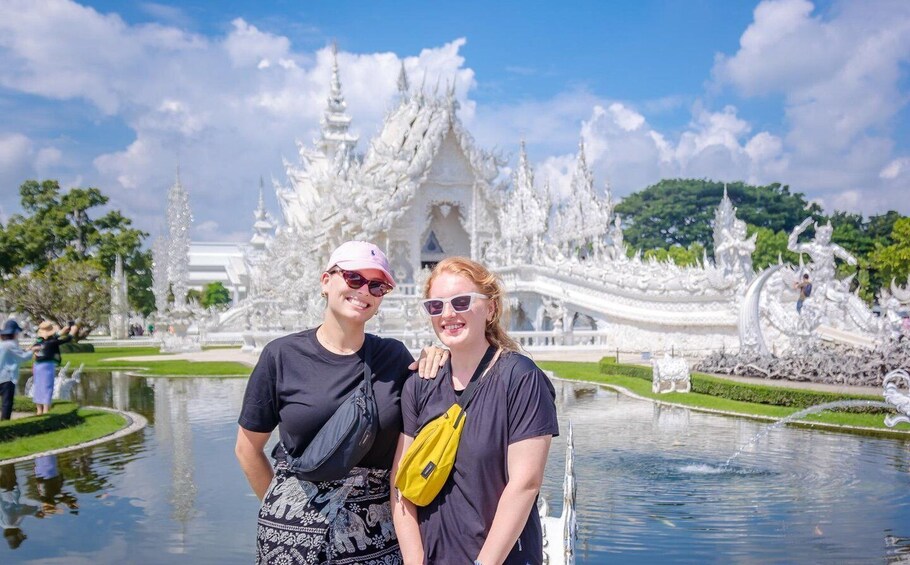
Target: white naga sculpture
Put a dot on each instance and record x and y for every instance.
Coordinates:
(670, 374)
(894, 396)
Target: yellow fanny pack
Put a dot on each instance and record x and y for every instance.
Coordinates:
(428, 462)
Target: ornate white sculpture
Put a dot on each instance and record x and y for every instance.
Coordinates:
(670, 374)
(64, 385)
(894, 396)
(120, 308)
(732, 248)
(179, 315)
(561, 532)
(823, 253)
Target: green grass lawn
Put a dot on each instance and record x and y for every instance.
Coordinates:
(96, 423)
(100, 361)
(591, 372)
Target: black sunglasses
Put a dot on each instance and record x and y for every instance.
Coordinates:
(356, 280)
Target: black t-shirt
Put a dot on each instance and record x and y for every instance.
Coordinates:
(515, 401)
(298, 384)
(50, 347)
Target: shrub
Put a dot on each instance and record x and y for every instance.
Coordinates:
(625, 370)
(744, 392)
(775, 396)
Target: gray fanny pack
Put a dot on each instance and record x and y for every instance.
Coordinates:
(346, 438)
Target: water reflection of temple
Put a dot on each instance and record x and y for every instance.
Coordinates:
(173, 428)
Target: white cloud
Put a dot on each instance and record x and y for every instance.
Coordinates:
(895, 168)
(247, 46)
(15, 149)
(46, 158)
(840, 77)
(208, 104)
(228, 108)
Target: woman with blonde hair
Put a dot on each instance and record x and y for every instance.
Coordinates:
(486, 511)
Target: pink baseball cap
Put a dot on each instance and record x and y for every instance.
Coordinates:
(359, 255)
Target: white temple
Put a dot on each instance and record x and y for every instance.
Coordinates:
(423, 191)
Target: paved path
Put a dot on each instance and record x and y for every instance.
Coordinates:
(209, 355)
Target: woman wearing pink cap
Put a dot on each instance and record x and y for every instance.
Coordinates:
(297, 385)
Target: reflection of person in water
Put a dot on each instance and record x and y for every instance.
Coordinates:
(11, 511)
(50, 485)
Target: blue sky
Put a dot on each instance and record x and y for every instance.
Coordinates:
(115, 94)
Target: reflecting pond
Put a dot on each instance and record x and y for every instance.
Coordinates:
(650, 486)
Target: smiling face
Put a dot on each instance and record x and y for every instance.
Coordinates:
(353, 305)
(460, 330)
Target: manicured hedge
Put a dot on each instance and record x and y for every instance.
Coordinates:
(614, 368)
(62, 415)
(744, 392)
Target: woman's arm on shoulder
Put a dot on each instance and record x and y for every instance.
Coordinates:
(404, 513)
(253, 461)
(526, 462)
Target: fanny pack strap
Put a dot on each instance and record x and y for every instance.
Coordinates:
(468, 393)
(367, 371)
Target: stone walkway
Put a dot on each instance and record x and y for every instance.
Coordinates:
(210, 355)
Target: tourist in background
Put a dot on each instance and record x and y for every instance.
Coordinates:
(297, 385)
(10, 359)
(486, 511)
(805, 291)
(47, 358)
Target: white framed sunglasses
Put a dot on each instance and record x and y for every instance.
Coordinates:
(459, 302)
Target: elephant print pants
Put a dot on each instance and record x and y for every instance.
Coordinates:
(340, 522)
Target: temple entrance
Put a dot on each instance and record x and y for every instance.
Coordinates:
(445, 235)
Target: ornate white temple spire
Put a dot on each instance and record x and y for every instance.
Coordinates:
(335, 121)
(179, 219)
(584, 218)
(263, 227)
(404, 85)
(723, 218)
(120, 309)
(524, 174)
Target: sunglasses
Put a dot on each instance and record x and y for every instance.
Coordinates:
(460, 303)
(355, 280)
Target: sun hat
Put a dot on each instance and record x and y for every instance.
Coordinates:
(359, 255)
(11, 327)
(47, 329)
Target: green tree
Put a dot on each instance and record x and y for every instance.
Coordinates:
(681, 211)
(682, 256)
(893, 261)
(64, 289)
(215, 294)
(770, 247)
(56, 224)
